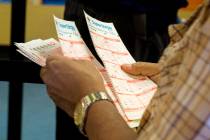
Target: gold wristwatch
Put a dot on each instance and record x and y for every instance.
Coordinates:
(80, 112)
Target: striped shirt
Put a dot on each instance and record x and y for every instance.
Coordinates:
(180, 110)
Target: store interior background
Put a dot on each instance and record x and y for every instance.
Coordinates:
(38, 122)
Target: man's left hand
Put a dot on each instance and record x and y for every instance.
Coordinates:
(69, 80)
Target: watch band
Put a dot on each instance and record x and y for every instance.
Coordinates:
(81, 110)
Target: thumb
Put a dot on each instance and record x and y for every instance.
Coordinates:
(141, 68)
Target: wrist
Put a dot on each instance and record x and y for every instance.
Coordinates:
(104, 122)
(93, 113)
(82, 108)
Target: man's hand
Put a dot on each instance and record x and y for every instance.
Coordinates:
(69, 80)
(151, 70)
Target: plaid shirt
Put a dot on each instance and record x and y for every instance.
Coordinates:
(180, 109)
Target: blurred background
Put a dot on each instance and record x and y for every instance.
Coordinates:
(38, 122)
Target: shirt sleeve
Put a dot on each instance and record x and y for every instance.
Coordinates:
(180, 109)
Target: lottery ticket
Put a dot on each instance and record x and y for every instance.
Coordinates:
(74, 47)
(38, 50)
(134, 93)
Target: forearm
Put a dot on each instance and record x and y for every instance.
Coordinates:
(105, 123)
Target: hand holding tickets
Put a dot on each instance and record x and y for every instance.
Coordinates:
(130, 94)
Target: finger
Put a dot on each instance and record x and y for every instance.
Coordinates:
(147, 69)
(43, 71)
(54, 62)
(54, 56)
(47, 76)
(52, 59)
(141, 68)
(57, 52)
(51, 90)
(155, 78)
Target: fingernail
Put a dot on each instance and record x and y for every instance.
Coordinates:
(127, 67)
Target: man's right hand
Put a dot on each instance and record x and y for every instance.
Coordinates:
(151, 70)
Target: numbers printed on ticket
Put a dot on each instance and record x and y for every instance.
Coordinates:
(130, 91)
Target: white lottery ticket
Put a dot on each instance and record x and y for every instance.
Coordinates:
(133, 93)
(38, 50)
(71, 42)
(74, 47)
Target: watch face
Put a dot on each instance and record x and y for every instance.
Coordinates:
(78, 114)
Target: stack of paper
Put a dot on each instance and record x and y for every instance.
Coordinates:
(38, 50)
